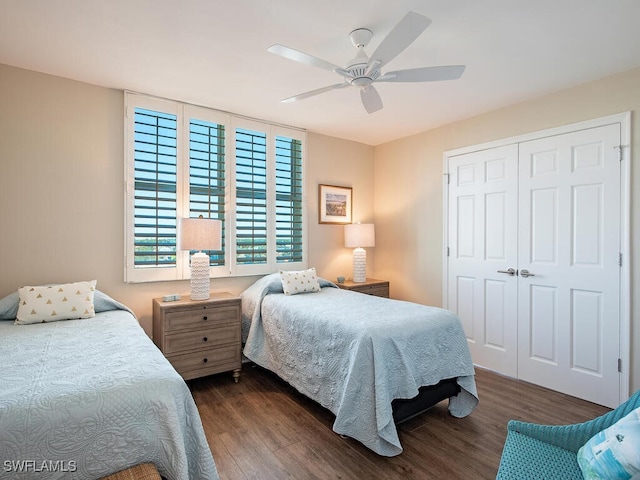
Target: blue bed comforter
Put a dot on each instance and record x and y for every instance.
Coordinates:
(355, 353)
(82, 399)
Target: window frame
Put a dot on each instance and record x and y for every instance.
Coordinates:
(184, 113)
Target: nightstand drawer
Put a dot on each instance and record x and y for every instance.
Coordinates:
(200, 317)
(207, 362)
(377, 290)
(207, 337)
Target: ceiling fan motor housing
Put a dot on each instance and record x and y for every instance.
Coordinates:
(360, 76)
(358, 67)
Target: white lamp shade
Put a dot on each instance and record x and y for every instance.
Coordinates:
(359, 235)
(200, 234)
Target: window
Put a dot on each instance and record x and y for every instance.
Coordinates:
(288, 204)
(154, 201)
(251, 197)
(186, 161)
(207, 175)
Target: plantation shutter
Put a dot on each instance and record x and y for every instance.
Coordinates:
(251, 197)
(289, 238)
(181, 164)
(155, 181)
(207, 176)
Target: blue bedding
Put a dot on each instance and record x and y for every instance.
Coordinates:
(82, 399)
(355, 353)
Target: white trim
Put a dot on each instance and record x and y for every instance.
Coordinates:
(549, 132)
(446, 251)
(183, 259)
(625, 249)
(624, 120)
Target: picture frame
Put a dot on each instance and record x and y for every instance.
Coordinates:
(334, 204)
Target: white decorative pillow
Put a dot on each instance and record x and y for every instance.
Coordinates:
(302, 281)
(56, 302)
(613, 453)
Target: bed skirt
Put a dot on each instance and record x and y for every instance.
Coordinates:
(428, 396)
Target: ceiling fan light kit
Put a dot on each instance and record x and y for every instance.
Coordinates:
(362, 71)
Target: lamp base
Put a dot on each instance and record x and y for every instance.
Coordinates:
(359, 265)
(200, 283)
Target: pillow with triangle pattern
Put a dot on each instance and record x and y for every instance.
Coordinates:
(55, 302)
(303, 281)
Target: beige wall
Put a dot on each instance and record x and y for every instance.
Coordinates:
(408, 185)
(347, 164)
(62, 195)
(62, 191)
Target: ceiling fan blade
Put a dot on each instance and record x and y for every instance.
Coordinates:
(424, 74)
(301, 57)
(318, 91)
(402, 35)
(370, 99)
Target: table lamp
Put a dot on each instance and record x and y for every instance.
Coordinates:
(358, 236)
(200, 234)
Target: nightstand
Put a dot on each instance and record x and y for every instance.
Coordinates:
(379, 288)
(200, 337)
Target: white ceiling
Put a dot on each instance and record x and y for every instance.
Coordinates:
(214, 53)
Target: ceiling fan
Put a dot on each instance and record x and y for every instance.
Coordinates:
(363, 70)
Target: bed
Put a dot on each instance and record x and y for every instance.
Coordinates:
(359, 355)
(82, 399)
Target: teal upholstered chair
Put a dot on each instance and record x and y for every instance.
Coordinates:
(549, 452)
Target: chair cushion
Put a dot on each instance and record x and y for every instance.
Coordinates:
(525, 458)
(613, 453)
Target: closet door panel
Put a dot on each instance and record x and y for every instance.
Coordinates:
(569, 239)
(483, 226)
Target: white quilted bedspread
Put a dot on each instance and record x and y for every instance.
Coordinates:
(81, 399)
(355, 353)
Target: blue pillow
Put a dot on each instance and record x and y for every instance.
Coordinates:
(613, 453)
(9, 306)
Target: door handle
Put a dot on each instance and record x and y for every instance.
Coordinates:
(526, 273)
(511, 271)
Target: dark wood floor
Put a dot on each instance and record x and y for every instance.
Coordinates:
(261, 428)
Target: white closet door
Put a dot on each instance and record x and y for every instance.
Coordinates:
(549, 209)
(483, 232)
(569, 238)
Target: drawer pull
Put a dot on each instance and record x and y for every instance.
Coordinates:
(205, 339)
(205, 360)
(205, 317)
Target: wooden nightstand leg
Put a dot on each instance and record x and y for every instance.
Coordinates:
(236, 375)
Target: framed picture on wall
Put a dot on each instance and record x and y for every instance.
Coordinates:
(334, 204)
